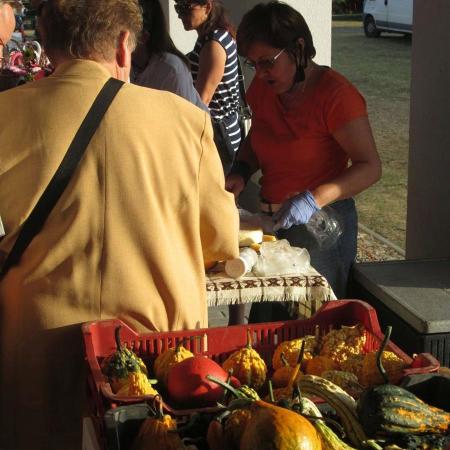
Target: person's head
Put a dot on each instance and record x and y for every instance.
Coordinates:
(101, 30)
(203, 16)
(7, 20)
(276, 40)
(155, 35)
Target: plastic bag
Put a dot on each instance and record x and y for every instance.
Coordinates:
(280, 258)
(326, 227)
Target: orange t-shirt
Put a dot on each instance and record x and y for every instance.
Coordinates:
(295, 148)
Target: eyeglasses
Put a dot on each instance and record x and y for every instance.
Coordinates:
(263, 64)
(184, 7)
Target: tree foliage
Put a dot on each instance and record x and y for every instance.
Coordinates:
(347, 6)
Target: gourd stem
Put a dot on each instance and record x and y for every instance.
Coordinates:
(271, 396)
(117, 338)
(234, 391)
(157, 407)
(302, 353)
(225, 392)
(296, 392)
(293, 376)
(387, 335)
(249, 338)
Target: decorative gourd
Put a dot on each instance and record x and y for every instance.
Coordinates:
(388, 409)
(278, 394)
(370, 375)
(137, 384)
(234, 427)
(158, 431)
(340, 401)
(319, 364)
(272, 427)
(188, 384)
(346, 380)
(340, 344)
(121, 363)
(291, 350)
(167, 359)
(330, 440)
(248, 367)
(282, 375)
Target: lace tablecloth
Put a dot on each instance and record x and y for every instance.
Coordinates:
(306, 292)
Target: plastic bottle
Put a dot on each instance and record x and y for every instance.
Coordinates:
(238, 267)
(326, 227)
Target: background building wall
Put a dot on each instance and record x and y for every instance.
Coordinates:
(428, 216)
(316, 12)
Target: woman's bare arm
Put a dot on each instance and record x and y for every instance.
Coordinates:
(211, 70)
(357, 140)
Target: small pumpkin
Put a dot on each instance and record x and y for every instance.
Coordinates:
(158, 431)
(247, 365)
(188, 382)
(117, 366)
(278, 428)
(167, 359)
(291, 351)
(284, 393)
(234, 427)
(282, 375)
(137, 385)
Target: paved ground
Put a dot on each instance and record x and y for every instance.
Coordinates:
(218, 315)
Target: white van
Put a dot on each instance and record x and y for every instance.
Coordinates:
(387, 15)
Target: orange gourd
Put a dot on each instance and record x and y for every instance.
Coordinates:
(282, 375)
(158, 431)
(272, 427)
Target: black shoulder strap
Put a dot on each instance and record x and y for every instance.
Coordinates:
(244, 107)
(35, 221)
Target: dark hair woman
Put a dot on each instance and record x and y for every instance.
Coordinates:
(157, 63)
(214, 62)
(310, 136)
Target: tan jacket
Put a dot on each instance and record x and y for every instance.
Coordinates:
(127, 239)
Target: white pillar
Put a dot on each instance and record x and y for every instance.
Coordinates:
(428, 216)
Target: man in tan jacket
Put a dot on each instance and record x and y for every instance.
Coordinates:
(7, 21)
(130, 234)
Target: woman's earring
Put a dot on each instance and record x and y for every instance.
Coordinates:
(300, 64)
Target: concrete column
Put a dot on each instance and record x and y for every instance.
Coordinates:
(428, 216)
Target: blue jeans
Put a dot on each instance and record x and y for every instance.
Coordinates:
(333, 263)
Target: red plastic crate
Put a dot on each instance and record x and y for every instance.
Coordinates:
(218, 343)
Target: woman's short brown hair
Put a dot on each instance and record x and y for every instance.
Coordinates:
(277, 25)
(89, 28)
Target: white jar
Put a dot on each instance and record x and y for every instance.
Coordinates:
(238, 267)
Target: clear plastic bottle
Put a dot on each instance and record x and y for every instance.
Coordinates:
(326, 226)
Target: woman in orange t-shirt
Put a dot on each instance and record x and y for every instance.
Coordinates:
(310, 136)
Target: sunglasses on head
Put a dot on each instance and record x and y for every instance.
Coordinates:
(185, 7)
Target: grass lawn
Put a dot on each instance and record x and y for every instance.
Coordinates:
(380, 68)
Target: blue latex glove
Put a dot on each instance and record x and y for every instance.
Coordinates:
(295, 211)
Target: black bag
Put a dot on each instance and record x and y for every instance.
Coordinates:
(221, 137)
(245, 113)
(223, 144)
